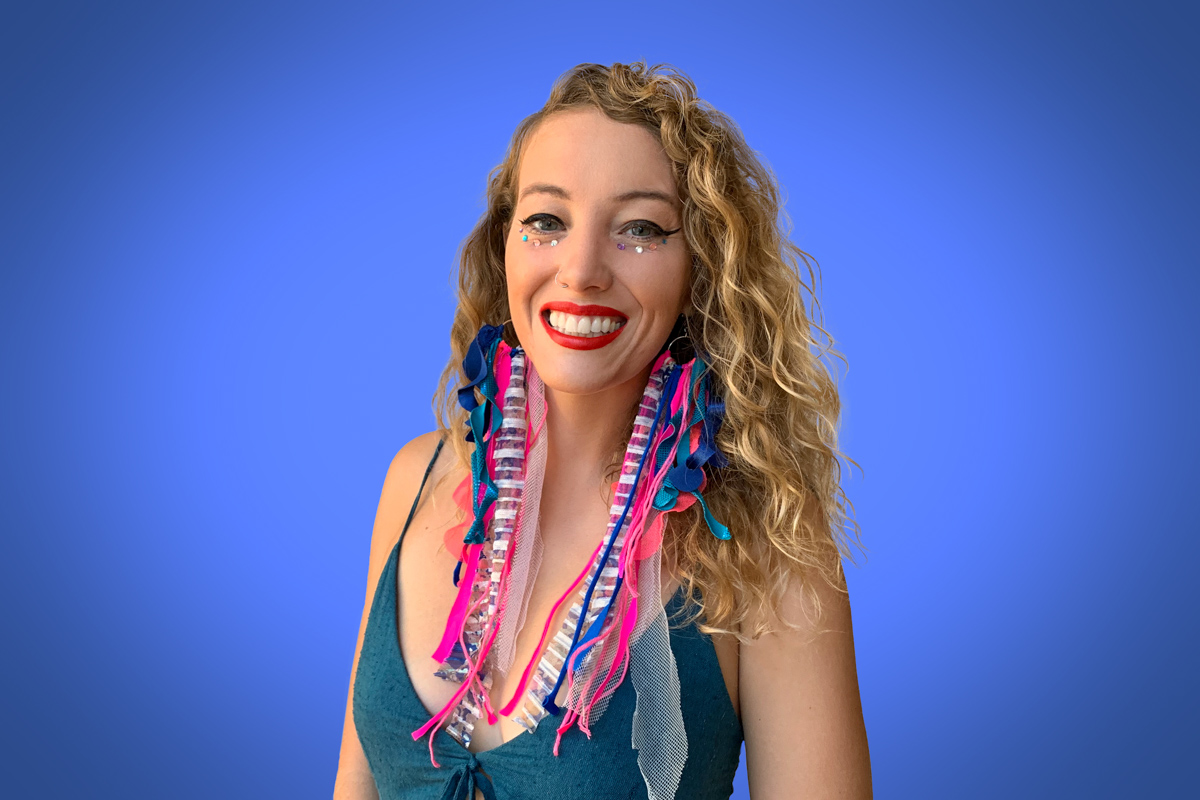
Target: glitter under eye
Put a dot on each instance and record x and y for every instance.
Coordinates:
(656, 235)
(640, 245)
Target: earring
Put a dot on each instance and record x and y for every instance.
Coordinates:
(560, 285)
(681, 348)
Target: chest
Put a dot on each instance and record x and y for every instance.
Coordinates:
(571, 533)
(573, 522)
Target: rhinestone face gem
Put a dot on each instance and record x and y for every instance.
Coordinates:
(554, 242)
(620, 246)
(536, 243)
(653, 247)
(525, 238)
(638, 248)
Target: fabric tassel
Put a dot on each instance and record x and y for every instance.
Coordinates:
(616, 621)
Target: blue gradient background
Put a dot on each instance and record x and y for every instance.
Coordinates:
(226, 239)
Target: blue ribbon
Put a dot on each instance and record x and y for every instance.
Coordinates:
(598, 625)
(688, 472)
(479, 367)
(477, 364)
(572, 655)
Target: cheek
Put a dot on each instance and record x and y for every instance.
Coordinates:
(521, 279)
(665, 290)
(526, 270)
(515, 272)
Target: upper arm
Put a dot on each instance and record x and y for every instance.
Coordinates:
(801, 710)
(353, 781)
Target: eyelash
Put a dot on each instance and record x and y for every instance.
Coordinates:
(528, 221)
(656, 231)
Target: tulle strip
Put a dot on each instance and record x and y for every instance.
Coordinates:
(592, 683)
(658, 732)
(527, 541)
(606, 664)
(468, 653)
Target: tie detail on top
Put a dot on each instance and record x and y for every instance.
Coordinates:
(465, 779)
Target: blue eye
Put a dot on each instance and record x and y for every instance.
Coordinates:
(643, 230)
(539, 223)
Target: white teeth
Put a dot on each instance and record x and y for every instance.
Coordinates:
(583, 326)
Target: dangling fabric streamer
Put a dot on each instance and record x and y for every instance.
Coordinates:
(527, 555)
(616, 622)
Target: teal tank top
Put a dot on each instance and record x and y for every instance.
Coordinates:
(387, 711)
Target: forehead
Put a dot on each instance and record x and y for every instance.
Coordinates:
(584, 151)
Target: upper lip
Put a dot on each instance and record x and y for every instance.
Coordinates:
(583, 311)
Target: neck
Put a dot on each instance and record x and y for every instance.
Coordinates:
(586, 430)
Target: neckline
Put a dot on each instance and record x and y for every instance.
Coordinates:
(391, 573)
(451, 745)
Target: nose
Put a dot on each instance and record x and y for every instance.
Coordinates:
(585, 259)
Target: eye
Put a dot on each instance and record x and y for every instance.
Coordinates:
(543, 223)
(643, 229)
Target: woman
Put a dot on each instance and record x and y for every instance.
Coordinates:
(649, 435)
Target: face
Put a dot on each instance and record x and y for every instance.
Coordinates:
(595, 201)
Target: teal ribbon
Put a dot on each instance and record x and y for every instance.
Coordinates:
(484, 418)
(688, 472)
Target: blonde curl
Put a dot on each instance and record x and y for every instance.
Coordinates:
(781, 493)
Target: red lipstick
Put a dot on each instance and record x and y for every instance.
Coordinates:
(583, 311)
(580, 342)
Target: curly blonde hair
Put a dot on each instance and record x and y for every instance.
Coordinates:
(781, 493)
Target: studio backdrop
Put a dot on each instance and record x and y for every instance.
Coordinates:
(227, 238)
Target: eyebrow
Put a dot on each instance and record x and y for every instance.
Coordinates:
(544, 188)
(624, 197)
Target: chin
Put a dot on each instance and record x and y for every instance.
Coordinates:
(584, 374)
(578, 379)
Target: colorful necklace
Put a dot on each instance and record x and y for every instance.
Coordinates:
(616, 623)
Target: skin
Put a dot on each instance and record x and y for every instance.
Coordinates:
(796, 692)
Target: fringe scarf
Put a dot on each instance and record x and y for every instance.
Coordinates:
(616, 625)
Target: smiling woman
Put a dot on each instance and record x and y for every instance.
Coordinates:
(639, 539)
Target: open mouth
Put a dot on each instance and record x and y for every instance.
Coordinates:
(582, 327)
(587, 327)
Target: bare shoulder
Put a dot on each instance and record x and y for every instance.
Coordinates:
(400, 485)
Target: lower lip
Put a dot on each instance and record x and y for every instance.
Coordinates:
(579, 342)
